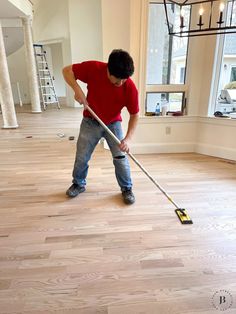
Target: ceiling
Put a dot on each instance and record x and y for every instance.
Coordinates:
(8, 10)
(12, 34)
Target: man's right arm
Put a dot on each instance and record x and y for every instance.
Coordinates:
(69, 77)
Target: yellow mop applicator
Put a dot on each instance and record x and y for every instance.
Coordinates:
(181, 212)
(183, 216)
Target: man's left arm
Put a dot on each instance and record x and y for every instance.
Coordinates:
(133, 121)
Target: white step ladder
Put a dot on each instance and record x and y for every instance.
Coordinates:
(46, 85)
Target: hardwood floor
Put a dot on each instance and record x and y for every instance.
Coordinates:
(93, 254)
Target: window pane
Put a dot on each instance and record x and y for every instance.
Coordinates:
(233, 74)
(159, 103)
(226, 95)
(166, 55)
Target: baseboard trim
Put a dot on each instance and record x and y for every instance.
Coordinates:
(216, 151)
(153, 148)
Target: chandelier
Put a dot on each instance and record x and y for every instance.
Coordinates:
(188, 18)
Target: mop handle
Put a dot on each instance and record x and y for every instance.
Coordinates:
(131, 155)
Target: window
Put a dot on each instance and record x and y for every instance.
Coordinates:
(171, 102)
(225, 86)
(166, 62)
(226, 92)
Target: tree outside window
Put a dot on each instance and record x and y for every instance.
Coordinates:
(233, 74)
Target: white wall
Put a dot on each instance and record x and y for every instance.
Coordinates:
(206, 73)
(57, 65)
(85, 26)
(216, 137)
(115, 26)
(18, 73)
(165, 135)
(194, 74)
(85, 30)
(50, 21)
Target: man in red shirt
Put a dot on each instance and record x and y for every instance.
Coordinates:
(109, 90)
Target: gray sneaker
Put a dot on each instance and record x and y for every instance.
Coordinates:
(128, 196)
(74, 190)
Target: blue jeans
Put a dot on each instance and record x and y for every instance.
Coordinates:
(90, 134)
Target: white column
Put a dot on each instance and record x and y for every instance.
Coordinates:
(31, 66)
(7, 102)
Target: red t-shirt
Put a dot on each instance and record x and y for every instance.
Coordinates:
(106, 99)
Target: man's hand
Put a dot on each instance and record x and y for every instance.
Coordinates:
(124, 146)
(79, 96)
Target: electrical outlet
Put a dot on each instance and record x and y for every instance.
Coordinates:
(168, 130)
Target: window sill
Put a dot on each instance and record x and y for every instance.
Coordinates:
(217, 120)
(187, 119)
(166, 119)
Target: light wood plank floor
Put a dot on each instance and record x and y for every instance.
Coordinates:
(93, 254)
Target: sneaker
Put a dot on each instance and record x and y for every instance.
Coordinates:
(74, 190)
(128, 196)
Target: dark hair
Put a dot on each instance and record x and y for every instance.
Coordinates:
(120, 64)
